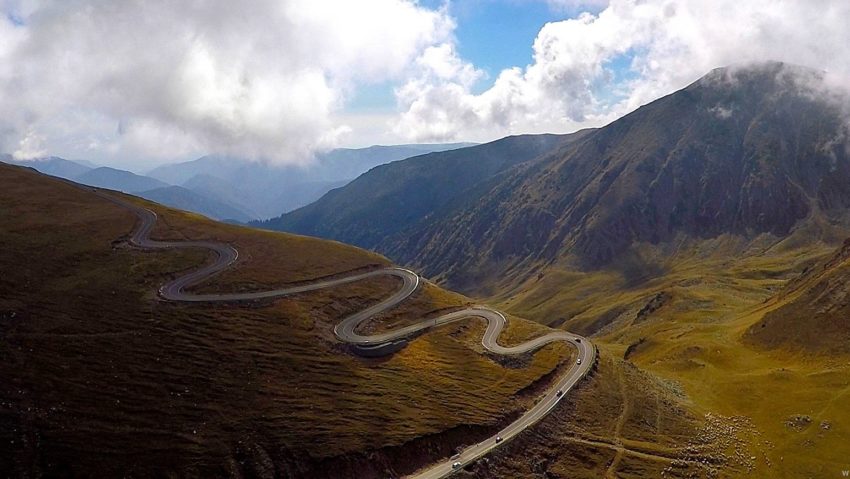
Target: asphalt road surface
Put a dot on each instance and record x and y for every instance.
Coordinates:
(346, 329)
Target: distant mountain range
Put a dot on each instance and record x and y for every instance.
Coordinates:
(388, 200)
(230, 188)
(52, 166)
(742, 152)
(120, 180)
(265, 191)
(189, 200)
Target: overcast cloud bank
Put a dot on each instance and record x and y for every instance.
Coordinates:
(122, 81)
(164, 79)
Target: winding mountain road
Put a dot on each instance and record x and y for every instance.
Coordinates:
(346, 330)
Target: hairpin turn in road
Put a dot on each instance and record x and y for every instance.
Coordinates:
(346, 330)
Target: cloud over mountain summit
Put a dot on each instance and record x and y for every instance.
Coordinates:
(155, 81)
(593, 68)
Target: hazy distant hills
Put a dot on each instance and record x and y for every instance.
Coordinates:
(233, 189)
(741, 152)
(189, 200)
(266, 190)
(52, 166)
(144, 186)
(121, 180)
(391, 198)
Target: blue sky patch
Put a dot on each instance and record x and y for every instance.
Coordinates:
(14, 19)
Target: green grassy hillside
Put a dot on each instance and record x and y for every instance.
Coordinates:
(750, 335)
(101, 379)
(812, 314)
(376, 208)
(740, 152)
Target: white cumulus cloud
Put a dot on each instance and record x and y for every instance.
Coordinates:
(138, 81)
(158, 79)
(591, 69)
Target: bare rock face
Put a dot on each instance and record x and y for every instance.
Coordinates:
(654, 304)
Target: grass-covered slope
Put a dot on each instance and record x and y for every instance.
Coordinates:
(748, 346)
(742, 152)
(101, 379)
(812, 314)
(377, 207)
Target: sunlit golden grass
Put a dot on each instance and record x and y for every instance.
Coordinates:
(698, 340)
(265, 258)
(618, 405)
(113, 381)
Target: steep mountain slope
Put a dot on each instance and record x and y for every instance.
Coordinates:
(393, 197)
(678, 274)
(268, 190)
(215, 187)
(811, 314)
(185, 199)
(105, 177)
(304, 193)
(743, 151)
(101, 379)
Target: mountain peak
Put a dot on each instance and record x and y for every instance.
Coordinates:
(760, 78)
(747, 150)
